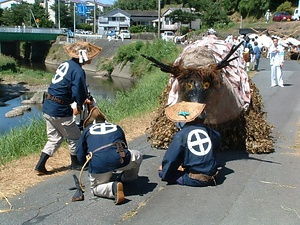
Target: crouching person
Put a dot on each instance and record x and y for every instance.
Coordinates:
(104, 147)
(191, 157)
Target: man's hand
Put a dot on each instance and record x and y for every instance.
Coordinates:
(76, 111)
(88, 102)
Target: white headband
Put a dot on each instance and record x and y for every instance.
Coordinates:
(82, 56)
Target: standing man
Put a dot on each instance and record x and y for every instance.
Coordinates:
(268, 15)
(68, 85)
(257, 53)
(104, 146)
(191, 157)
(276, 53)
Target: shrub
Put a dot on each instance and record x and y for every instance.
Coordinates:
(163, 51)
(8, 63)
(128, 52)
(138, 29)
(285, 7)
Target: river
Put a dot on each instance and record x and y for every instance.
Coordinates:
(98, 86)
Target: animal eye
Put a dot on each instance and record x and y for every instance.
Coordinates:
(190, 86)
(206, 85)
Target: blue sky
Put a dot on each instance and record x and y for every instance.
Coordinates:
(106, 1)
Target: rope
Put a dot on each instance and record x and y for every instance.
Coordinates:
(88, 158)
(10, 205)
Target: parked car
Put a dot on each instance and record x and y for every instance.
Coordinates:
(168, 36)
(125, 34)
(112, 33)
(282, 16)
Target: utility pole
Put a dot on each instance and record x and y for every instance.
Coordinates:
(158, 27)
(58, 14)
(46, 6)
(74, 25)
(94, 16)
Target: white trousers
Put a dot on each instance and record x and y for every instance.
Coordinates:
(58, 129)
(276, 76)
(100, 183)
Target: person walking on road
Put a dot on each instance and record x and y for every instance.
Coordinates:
(257, 53)
(68, 85)
(276, 52)
(268, 16)
(104, 146)
(191, 157)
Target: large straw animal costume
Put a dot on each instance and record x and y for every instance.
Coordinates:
(210, 71)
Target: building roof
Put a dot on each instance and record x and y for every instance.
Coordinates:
(142, 13)
(132, 13)
(169, 10)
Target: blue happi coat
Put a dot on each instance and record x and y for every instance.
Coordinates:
(194, 148)
(98, 135)
(68, 85)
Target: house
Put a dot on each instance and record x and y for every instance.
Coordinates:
(167, 23)
(83, 8)
(118, 19)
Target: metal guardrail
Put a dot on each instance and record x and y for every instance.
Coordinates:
(88, 36)
(20, 29)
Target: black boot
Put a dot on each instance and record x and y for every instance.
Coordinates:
(40, 166)
(75, 165)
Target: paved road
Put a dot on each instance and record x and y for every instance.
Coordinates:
(253, 189)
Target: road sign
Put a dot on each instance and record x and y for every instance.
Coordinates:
(81, 9)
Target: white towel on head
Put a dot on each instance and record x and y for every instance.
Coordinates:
(82, 56)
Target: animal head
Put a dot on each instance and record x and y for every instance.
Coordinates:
(196, 84)
(198, 74)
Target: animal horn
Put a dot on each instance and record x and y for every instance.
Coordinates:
(225, 62)
(163, 67)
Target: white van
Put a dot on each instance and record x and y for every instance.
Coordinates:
(168, 36)
(295, 16)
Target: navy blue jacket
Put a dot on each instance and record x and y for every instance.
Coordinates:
(69, 85)
(98, 135)
(194, 148)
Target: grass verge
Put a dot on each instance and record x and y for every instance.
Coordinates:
(142, 98)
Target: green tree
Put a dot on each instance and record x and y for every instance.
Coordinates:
(231, 6)
(255, 8)
(66, 14)
(1, 13)
(184, 17)
(285, 7)
(40, 15)
(17, 15)
(213, 13)
(25, 14)
(196, 4)
(136, 5)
